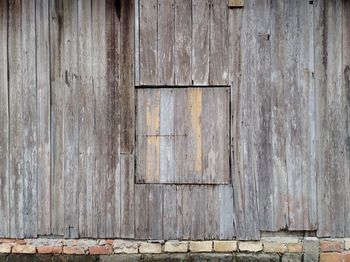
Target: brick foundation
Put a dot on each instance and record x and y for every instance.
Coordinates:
(268, 249)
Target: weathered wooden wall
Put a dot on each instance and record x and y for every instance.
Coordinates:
(174, 119)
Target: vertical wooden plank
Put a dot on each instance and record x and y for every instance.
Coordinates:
(331, 118)
(137, 41)
(235, 76)
(215, 135)
(141, 211)
(86, 118)
(180, 129)
(16, 123)
(200, 42)
(153, 139)
(193, 212)
(307, 201)
(141, 145)
(226, 212)
(155, 211)
(29, 118)
(346, 86)
(262, 116)
(212, 212)
(219, 48)
(148, 42)
(127, 215)
(113, 177)
(183, 42)
(279, 218)
(56, 117)
(127, 82)
(166, 41)
(43, 108)
(167, 136)
(170, 208)
(101, 101)
(248, 83)
(71, 118)
(4, 124)
(194, 150)
(292, 94)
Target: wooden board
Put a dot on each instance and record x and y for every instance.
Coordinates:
(16, 124)
(4, 125)
(332, 100)
(29, 118)
(182, 43)
(43, 115)
(86, 119)
(164, 134)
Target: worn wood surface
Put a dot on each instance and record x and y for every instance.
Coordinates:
(182, 43)
(200, 160)
(202, 133)
(4, 125)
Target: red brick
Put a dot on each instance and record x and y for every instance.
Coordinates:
(49, 250)
(110, 241)
(101, 250)
(330, 257)
(346, 256)
(331, 246)
(20, 242)
(6, 240)
(73, 251)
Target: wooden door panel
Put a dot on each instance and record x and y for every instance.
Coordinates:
(182, 135)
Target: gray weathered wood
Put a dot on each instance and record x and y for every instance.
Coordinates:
(56, 117)
(212, 212)
(180, 145)
(170, 209)
(280, 197)
(226, 212)
(148, 42)
(4, 124)
(16, 116)
(332, 121)
(71, 118)
(127, 192)
(99, 57)
(200, 42)
(346, 96)
(155, 211)
(219, 48)
(262, 116)
(166, 39)
(29, 118)
(43, 114)
(86, 119)
(183, 42)
(126, 85)
(141, 212)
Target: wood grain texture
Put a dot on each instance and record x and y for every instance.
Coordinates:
(200, 42)
(29, 118)
(331, 113)
(56, 116)
(126, 83)
(16, 124)
(148, 42)
(4, 125)
(43, 115)
(71, 118)
(346, 86)
(183, 42)
(86, 118)
(127, 201)
(166, 40)
(183, 144)
(219, 47)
